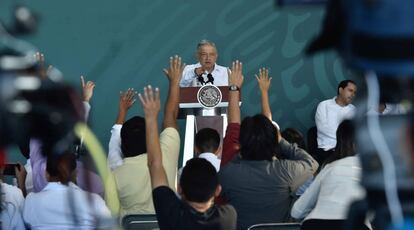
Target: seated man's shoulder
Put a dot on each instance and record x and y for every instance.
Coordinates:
(170, 133)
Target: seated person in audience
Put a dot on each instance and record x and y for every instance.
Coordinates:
(294, 136)
(132, 177)
(198, 183)
(63, 205)
(329, 114)
(206, 71)
(259, 180)
(86, 179)
(12, 201)
(207, 146)
(325, 204)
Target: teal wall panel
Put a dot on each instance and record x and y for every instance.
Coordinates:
(121, 44)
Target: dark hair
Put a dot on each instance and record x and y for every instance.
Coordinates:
(343, 84)
(294, 136)
(345, 142)
(198, 180)
(207, 140)
(61, 166)
(133, 137)
(258, 138)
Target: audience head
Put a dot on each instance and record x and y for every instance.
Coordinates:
(346, 91)
(258, 138)
(199, 181)
(61, 167)
(133, 137)
(345, 142)
(207, 54)
(207, 140)
(294, 136)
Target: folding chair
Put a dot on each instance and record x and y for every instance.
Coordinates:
(140, 221)
(275, 226)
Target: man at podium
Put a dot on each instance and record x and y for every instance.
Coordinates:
(206, 71)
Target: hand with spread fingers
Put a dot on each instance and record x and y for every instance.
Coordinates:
(150, 101)
(236, 74)
(87, 89)
(175, 71)
(126, 100)
(263, 79)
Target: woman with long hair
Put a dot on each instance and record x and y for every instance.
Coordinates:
(325, 204)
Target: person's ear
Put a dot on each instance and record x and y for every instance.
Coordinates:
(179, 190)
(218, 191)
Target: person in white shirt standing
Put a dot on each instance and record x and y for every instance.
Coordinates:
(206, 71)
(329, 114)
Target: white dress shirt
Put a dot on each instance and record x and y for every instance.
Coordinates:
(328, 117)
(114, 150)
(59, 206)
(212, 158)
(332, 192)
(189, 78)
(12, 201)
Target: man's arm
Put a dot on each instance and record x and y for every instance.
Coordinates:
(87, 93)
(231, 144)
(264, 84)
(300, 165)
(174, 74)
(151, 104)
(307, 201)
(236, 79)
(126, 100)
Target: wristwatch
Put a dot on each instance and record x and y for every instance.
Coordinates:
(234, 88)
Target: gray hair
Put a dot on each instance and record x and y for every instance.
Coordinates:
(206, 42)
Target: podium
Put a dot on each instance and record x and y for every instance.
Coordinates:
(198, 117)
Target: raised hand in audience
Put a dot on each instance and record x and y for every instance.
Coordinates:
(126, 100)
(43, 71)
(174, 74)
(231, 145)
(150, 102)
(235, 82)
(87, 89)
(264, 80)
(264, 84)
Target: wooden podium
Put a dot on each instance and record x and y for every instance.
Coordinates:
(198, 117)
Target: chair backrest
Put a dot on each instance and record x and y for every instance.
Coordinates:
(140, 221)
(275, 226)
